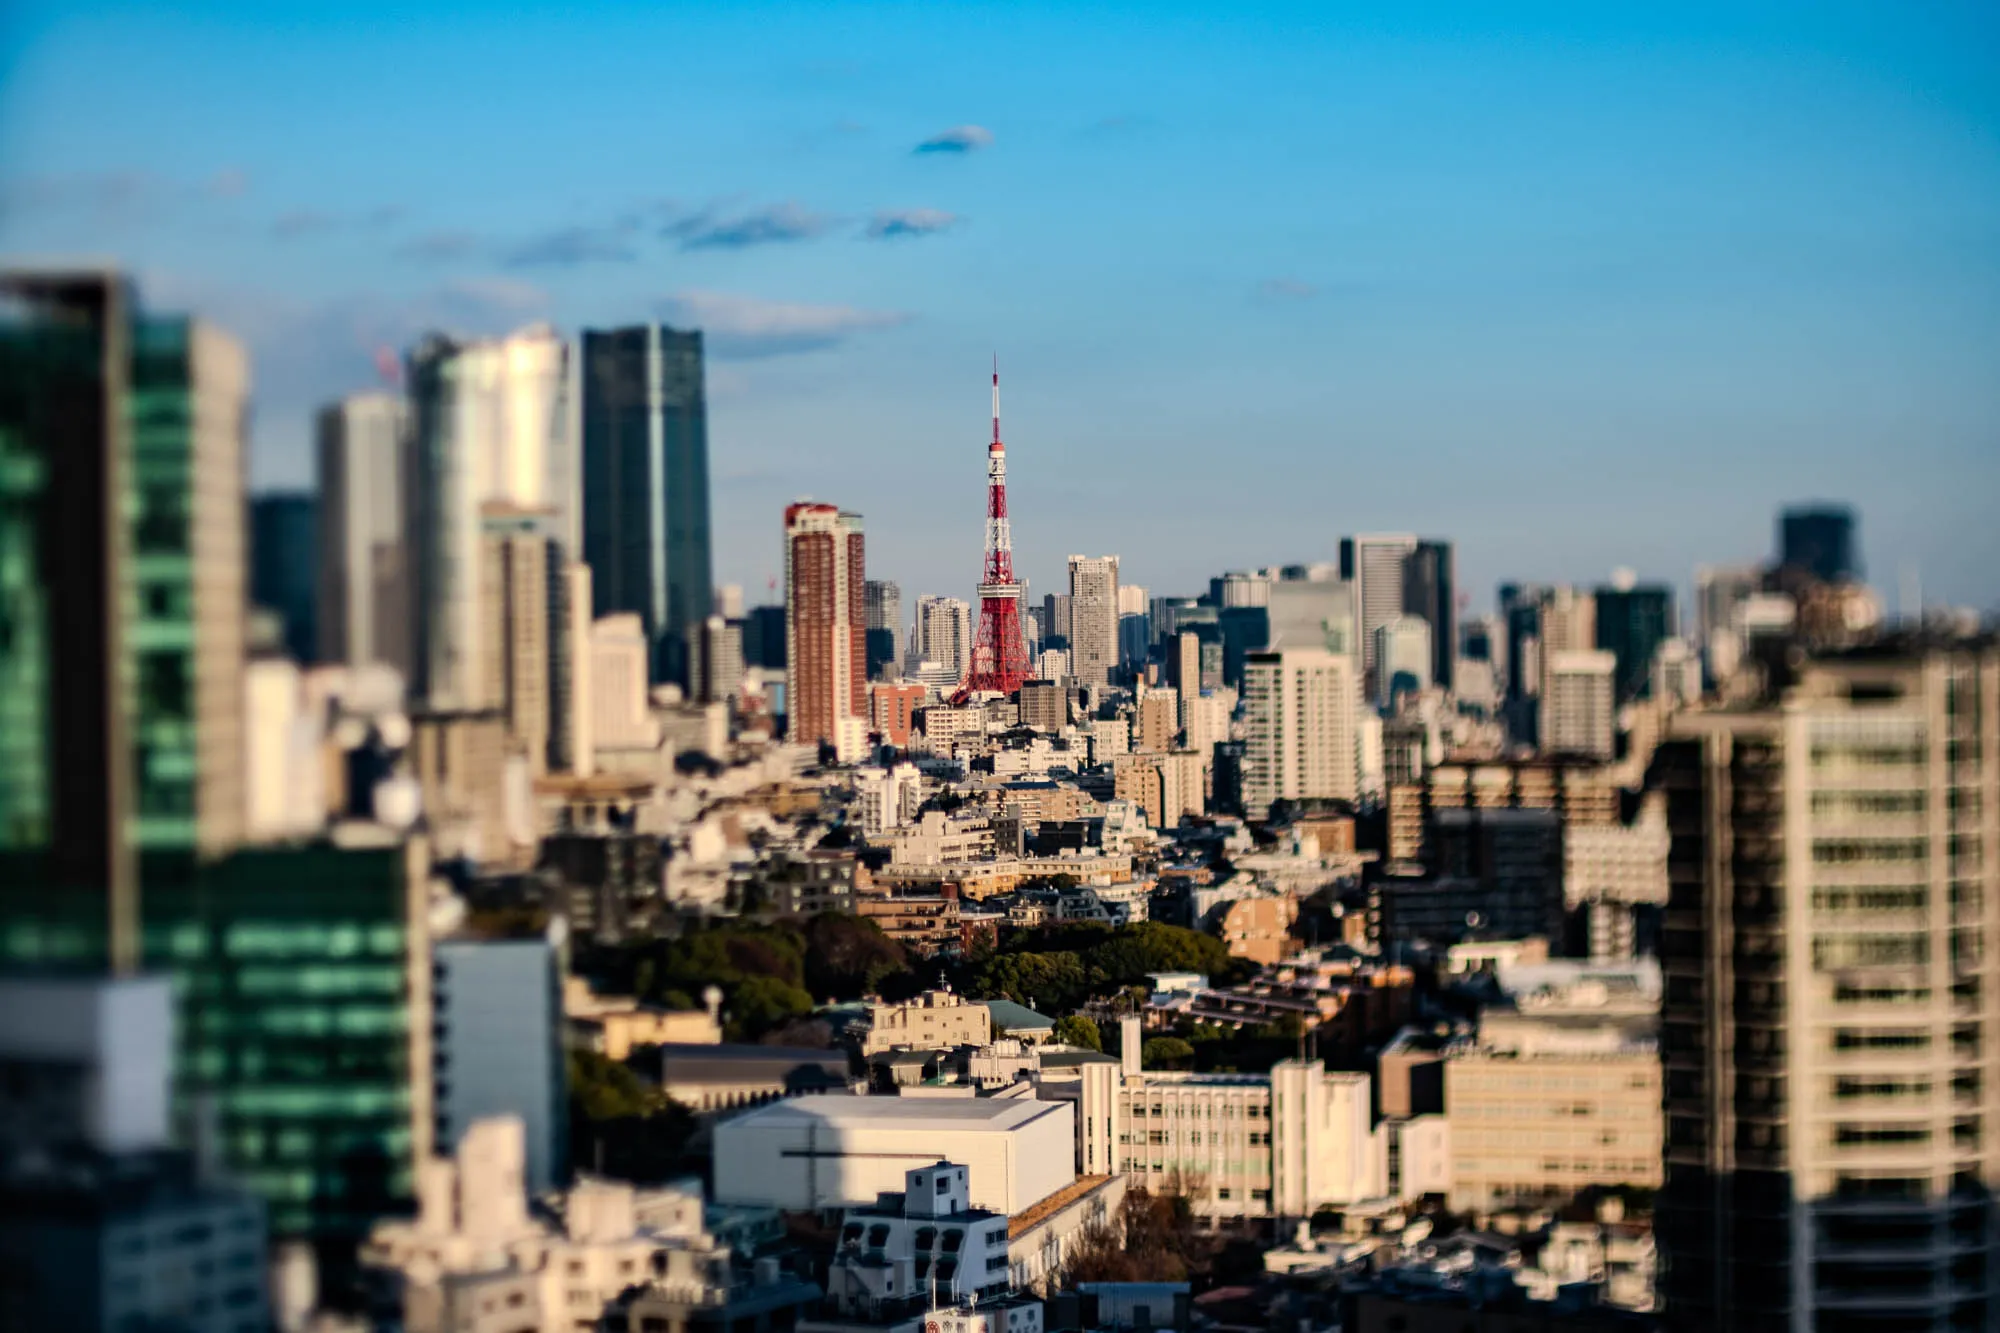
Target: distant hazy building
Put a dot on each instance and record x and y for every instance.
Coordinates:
(1299, 710)
(490, 426)
(1403, 658)
(1830, 1023)
(1428, 594)
(1313, 614)
(284, 565)
(944, 634)
(1818, 540)
(884, 601)
(716, 671)
(826, 680)
(1373, 564)
(364, 613)
(645, 530)
(1093, 612)
(1719, 592)
(1632, 623)
(1578, 710)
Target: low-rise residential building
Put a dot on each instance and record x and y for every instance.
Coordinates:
(1282, 1144)
(613, 1025)
(1259, 927)
(935, 1020)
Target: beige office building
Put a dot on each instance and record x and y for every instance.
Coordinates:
(1300, 709)
(1543, 1107)
(1093, 617)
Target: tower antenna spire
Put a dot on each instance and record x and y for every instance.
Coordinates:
(999, 660)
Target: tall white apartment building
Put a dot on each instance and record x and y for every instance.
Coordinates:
(944, 634)
(1299, 708)
(1282, 1145)
(1578, 704)
(1831, 1020)
(1093, 616)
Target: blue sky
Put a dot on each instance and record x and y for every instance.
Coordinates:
(1579, 287)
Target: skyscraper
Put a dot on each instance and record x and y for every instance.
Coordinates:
(1313, 614)
(1374, 565)
(645, 484)
(1831, 1029)
(1818, 540)
(1578, 707)
(826, 676)
(1428, 594)
(1299, 709)
(363, 612)
(944, 634)
(284, 566)
(1632, 623)
(69, 879)
(1093, 614)
(489, 425)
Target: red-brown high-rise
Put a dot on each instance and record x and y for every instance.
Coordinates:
(826, 665)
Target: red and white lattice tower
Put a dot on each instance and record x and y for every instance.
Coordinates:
(999, 651)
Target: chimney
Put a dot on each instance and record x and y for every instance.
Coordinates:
(1129, 1043)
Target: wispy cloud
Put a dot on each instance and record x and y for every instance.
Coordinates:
(1286, 289)
(570, 246)
(958, 139)
(302, 222)
(229, 183)
(711, 230)
(891, 223)
(437, 246)
(748, 326)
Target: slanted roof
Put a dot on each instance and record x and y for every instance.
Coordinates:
(1011, 1017)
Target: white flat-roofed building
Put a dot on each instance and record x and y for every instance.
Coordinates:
(838, 1152)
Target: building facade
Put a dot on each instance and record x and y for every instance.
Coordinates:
(499, 1047)
(284, 566)
(944, 635)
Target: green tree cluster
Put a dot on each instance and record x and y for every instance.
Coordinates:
(1057, 968)
(770, 975)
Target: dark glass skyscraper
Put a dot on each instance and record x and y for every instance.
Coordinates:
(1631, 624)
(284, 566)
(1819, 540)
(1428, 593)
(645, 484)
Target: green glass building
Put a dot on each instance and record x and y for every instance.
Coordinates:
(301, 973)
(303, 981)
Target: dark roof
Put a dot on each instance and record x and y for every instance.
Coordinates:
(1011, 1017)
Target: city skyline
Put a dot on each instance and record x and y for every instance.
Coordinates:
(1412, 256)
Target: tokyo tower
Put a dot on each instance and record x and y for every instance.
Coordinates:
(999, 652)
